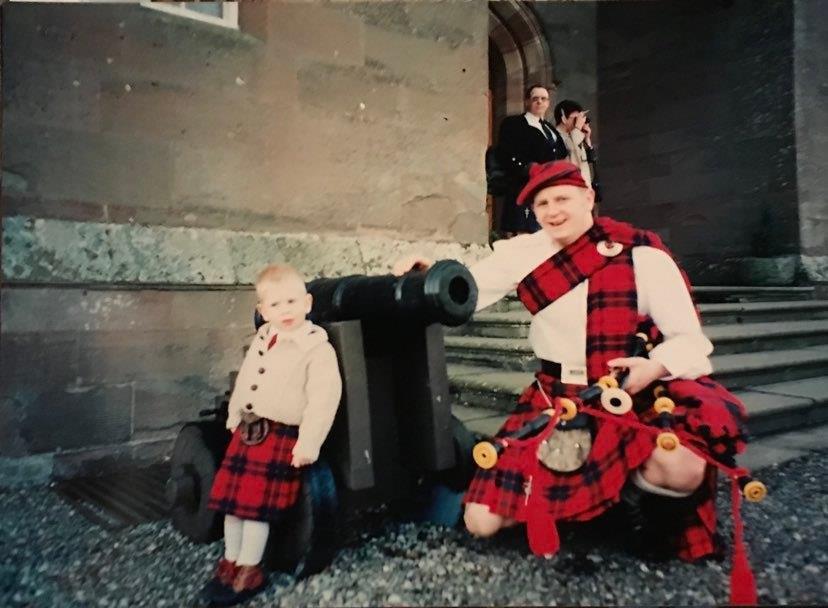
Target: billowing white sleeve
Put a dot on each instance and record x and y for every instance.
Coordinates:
(495, 275)
(663, 295)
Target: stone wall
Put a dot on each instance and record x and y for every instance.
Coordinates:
(811, 104)
(335, 118)
(697, 131)
(570, 29)
(152, 164)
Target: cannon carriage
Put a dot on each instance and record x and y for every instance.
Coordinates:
(394, 438)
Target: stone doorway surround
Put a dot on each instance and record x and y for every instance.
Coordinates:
(519, 55)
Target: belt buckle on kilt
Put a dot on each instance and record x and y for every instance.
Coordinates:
(565, 450)
(255, 432)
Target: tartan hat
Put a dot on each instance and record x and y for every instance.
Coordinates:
(556, 173)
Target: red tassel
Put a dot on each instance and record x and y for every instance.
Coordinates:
(542, 532)
(742, 582)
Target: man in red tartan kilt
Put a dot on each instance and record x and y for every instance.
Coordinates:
(591, 284)
(283, 405)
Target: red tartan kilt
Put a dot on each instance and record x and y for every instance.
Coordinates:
(258, 481)
(579, 495)
(706, 410)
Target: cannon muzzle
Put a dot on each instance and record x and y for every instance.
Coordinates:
(445, 293)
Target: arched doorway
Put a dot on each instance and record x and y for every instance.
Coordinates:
(518, 56)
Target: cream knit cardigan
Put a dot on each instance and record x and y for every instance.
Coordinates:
(295, 382)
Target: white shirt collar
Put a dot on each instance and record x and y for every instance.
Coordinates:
(532, 120)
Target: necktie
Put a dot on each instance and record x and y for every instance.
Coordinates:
(547, 131)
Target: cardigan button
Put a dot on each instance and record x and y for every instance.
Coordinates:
(261, 353)
(249, 406)
(254, 387)
(261, 370)
(608, 249)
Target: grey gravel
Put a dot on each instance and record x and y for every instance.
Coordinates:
(54, 557)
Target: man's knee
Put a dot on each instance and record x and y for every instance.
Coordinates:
(480, 521)
(680, 470)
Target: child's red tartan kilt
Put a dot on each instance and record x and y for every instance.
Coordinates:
(258, 481)
(703, 408)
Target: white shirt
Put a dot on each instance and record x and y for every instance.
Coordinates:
(534, 121)
(558, 332)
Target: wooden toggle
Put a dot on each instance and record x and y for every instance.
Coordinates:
(664, 406)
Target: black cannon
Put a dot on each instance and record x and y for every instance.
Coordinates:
(393, 438)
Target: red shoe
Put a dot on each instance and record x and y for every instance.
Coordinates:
(226, 571)
(249, 580)
(221, 582)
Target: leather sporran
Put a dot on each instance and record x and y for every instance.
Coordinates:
(254, 430)
(565, 451)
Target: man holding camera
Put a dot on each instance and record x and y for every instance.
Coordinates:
(573, 127)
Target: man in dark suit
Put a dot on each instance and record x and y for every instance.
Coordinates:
(524, 139)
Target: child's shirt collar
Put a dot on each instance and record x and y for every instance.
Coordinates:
(306, 336)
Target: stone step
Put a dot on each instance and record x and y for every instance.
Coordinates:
(497, 389)
(737, 338)
(773, 408)
(515, 324)
(705, 294)
(748, 293)
(517, 354)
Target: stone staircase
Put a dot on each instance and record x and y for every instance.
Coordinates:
(770, 348)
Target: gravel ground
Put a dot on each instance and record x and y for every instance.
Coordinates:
(54, 557)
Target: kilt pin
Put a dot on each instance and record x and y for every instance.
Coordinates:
(707, 416)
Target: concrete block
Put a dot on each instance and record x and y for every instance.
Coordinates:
(12, 412)
(166, 405)
(109, 459)
(487, 426)
(758, 456)
(812, 439)
(33, 206)
(317, 32)
(87, 165)
(126, 356)
(78, 416)
(28, 359)
(26, 471)
(808, 388)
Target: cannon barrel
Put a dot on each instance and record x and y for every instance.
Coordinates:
(445, 293)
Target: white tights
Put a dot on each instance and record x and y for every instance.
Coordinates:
(244, 540)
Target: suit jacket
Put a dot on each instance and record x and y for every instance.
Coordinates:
(520, 144)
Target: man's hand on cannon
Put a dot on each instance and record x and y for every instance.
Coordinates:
(409, 263)
(642, 372)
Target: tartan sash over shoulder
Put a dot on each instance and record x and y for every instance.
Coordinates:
(708, 417)
(612, 300)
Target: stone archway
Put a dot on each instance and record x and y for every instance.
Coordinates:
(518, 55)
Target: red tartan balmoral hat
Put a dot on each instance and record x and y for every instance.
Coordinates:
(556, 173)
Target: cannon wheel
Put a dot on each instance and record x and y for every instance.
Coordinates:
(305, 542)
(196, 457)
